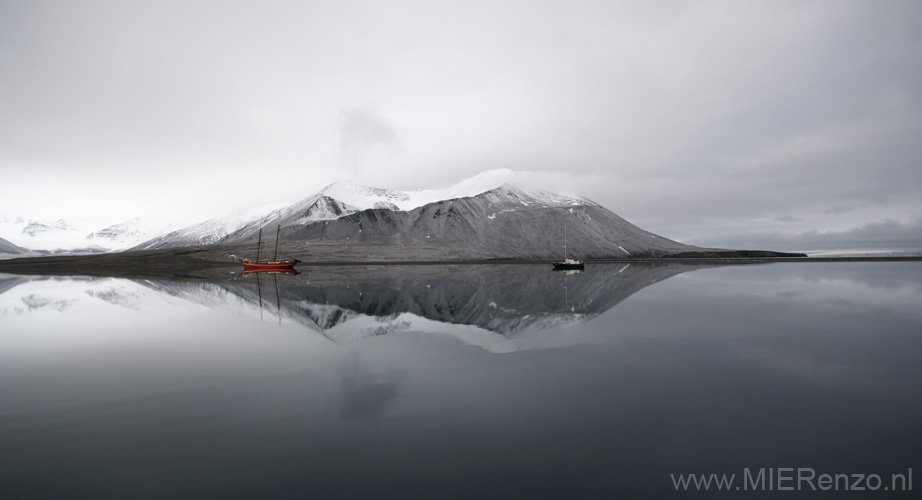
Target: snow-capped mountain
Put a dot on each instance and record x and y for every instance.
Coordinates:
(498, 214)
(345, 198)
(507, 222)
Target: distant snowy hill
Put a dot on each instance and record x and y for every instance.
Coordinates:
(34, 228)
(51, 235)
(117, 235)
(130, 233)
(211, 230)
(72, 236)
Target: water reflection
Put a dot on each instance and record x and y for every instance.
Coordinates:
(347, 304)
(505, 299)
(177, 389)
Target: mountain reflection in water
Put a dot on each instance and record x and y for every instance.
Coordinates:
(486, 305)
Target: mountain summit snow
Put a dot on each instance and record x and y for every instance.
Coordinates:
(356, 197)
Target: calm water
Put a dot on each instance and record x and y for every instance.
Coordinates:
(468, 381)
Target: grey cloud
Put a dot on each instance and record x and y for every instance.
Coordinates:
(693, 118)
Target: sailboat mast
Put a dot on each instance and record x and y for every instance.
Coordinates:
(278, 229)
(566, 293)
(564, 242)
(259, 290)
(278, 299)
(259, 243)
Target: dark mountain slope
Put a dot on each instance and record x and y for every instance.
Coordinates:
(6, 247)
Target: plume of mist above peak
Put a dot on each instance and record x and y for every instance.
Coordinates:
(365, 139)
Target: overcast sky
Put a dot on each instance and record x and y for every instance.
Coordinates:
(784, 125)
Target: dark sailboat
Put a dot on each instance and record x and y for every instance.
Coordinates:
(567, 263)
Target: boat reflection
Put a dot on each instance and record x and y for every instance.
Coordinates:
(251, 272)
(275, 272)
(568, 272)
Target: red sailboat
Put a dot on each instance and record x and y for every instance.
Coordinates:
(285, 265)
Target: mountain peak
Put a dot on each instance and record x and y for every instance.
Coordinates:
(362, 197)
(354, 196)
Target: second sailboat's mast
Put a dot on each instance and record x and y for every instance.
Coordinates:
(278, 229)
(259, 243)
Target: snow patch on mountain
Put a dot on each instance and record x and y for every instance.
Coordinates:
(317, 207)
(34, 228)
(383, 205)
(363, 197)
(121, 235)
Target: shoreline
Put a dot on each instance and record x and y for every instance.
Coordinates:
(647, 260)
(209, 263)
